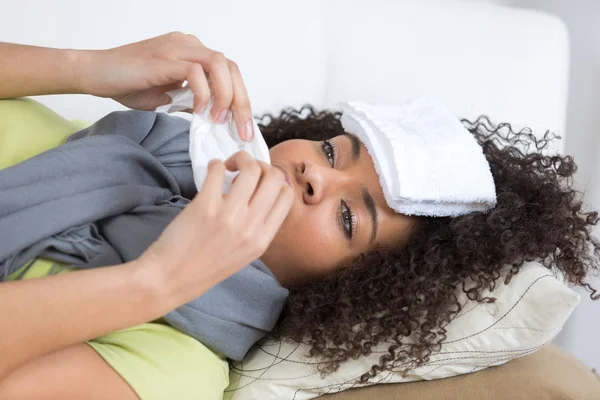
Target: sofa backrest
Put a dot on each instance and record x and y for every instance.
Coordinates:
(476, 57)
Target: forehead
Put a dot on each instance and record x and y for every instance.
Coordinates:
(364, 168)
(393, 227)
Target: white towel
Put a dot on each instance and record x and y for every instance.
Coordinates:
(428, 163)
(209, 140)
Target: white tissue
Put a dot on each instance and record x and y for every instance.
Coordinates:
(210, 140)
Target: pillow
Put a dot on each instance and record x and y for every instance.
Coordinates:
(549, 374)
(29, 128)
(528, 314)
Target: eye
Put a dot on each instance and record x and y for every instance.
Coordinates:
(347, 218)
(329, 152)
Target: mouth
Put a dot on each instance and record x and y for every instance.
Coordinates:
(288, 179)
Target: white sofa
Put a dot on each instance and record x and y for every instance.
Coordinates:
(476, 57)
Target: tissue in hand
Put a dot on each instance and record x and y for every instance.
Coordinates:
(209, 140)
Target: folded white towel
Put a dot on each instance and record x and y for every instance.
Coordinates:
(209, 140)
(428, 163)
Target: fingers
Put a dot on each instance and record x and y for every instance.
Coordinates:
(256, 188)
(242, 112)
(220, 80)
(269, 186)
(212, 189)
(214, 64)
(157, 96)
(197, 80)
(225, 80)
(178, 71)
(245, 183)
(278, 212)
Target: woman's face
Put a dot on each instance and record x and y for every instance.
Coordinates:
(338, 210)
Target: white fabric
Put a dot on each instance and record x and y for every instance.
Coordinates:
(210, 140)
(528, 314)
(427, 161)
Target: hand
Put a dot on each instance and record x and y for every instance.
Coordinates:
(137, 75)
(216, 235)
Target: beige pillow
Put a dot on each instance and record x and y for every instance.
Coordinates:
(549, 374)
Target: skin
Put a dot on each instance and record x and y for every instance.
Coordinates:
(312, 240)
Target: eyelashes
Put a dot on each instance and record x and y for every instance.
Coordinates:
(347, 219)
(329, 151)
(347, 216)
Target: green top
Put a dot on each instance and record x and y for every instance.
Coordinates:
(155, 359)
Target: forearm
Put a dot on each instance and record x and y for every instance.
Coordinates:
(30, 70)
(39, 316)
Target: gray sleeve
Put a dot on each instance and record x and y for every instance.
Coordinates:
(133, 124)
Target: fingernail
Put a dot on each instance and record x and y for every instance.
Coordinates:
(221, 116)
(249, 131)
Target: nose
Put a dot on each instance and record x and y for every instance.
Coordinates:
(318, 181)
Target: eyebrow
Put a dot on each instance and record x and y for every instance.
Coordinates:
(355, 146)
(370, 204)
(366, 195)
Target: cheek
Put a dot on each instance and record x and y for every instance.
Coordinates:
(310, 242)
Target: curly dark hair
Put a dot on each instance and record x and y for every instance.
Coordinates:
(389, 295)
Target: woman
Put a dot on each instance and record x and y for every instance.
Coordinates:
(402, 282)
(168, 274)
